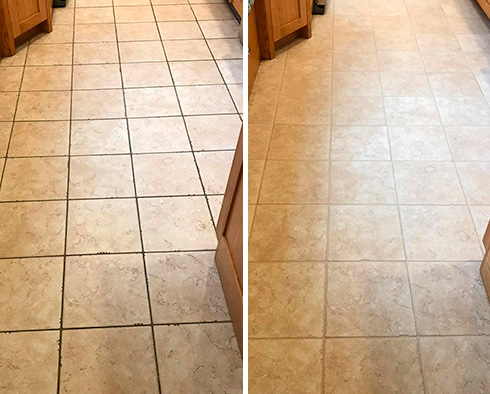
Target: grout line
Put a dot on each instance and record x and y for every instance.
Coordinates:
(380, 337)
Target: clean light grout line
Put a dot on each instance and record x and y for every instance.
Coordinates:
(136, 202)
(65, 247)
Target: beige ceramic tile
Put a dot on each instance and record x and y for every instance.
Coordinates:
(47, 78)
(236, 92)
(439, 233)
(321, 63)
(49, 55)
(481, 218)
(215, 203)
(297, 109)
(203, 355)
(226, 48)
(19, 59)
(431, 24)
(357, 40)
(31, 294)
(353, 60)
(286, 299)
(290, 142)
(94, 15)
(398, 83)
(196, 73)
(268, 371)
(473, 42)
(176, 175)
(143, 75)
(219, 29)
(255, 171)
(104, 76)
(454, 84)
(231, 70)
(469, 142)
(360, 143)
(187, 50)
(428, 183)
(445, 62)
(408, 61)
(462, 25)
(183, 30)
(195, 100)
(176, 224)
(137, 32)
(449, 299)
(103, 226)
(355, 83)
(259, 136)
(5, 130)
(269, 81)
(135, 13)
(101, 176)
(289, 233)
(170, 13)
(8, 102)
(362, 182)
(120, 358)
(97, 104)
(185, 287)
(474, 177)
(358, 110)
(214, 168)
(214, 132)
(96, 53)
(10, 78)
(29, 362)
(386, 366)
(43, 106)
(353, 229)
(29, 139)
(158, 135)
(141, 51)
(95, 33)
(262, 108)
(212, 11)
(95, 137)
(289, 182)
(395, 40)
(479, 62)
(352, 7)
(358, 303)
(105, 290)
(463, 111)
(433, 42)
(32, 229)
(456, 364)
(413, 111)
(419, 143)
(34, 179)
(151, 102)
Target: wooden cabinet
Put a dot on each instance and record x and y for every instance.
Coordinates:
(238, 6)
(253, 50)
(20, 19)
(485, 5)
(280, 21)
(229, 254)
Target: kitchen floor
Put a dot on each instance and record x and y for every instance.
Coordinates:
(117, 132)
(369, 196)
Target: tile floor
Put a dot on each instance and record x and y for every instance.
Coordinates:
(117, 132)
(369, 194)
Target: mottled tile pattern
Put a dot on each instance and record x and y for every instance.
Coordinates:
(369, 151)
(102, 161)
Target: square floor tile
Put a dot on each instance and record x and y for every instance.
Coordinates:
(362, 182)
(205, 100)
(219, 29)
(481, 218)
(103, 226)
(10, 78)
(473, 42)
(288, 182)
(469, 142)
(356, 83)
(351, 365)
(101, 177)
(63, 34)
(144, 75)
(30, 294)
(93, 53)
(360, 143)
(19, 59)
(151, 102)
(105, 290)
(96, 137)
(463, 111)
(226, 48)
(204, 356)
(176, 224)
(8, 102)
(364, 111)
(214, 132)
(137, 32)
(141, 51)
(98, 104)
(181, 30)
(419, 143)
(43, 106)
(286, 299)
(449, 299)
(158, 135)
(455, 365)
(439, 233)
(289, 233)
(32, 229)
(94, 15)
(432, 42)
(196, 73)
(212, 11)
(291, 142)
(297, 109)
(95, 33)
(49, 55)
(255, 171)
(474, 177)
(411, 111)
(120, 358)
(35, 179)
(187, 50)
(259, 136)
(354, 228)
(395, 40)
(29, 139)
(454, 84)
(390, 61)
(285, 365)
(176, 12)
(47, 78)
(428, 183)
(176, 175)
(5, 130)
(214, 168)
(300, 82)
(100, 76)
(347, 60)
(134, 14)
(399, 83)
(29, 362)
(369, 299)
(262, 108)
(445, 61)
(185, 287)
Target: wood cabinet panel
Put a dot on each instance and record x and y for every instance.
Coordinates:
(287, 17)
(25, 14)
(485, 5)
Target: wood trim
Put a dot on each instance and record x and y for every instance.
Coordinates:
(7, 44)
(485, 5)
(264, 29)
(254, 46)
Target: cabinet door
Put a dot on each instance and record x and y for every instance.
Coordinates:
(238, 5)
(25, 14)
(288, 16)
